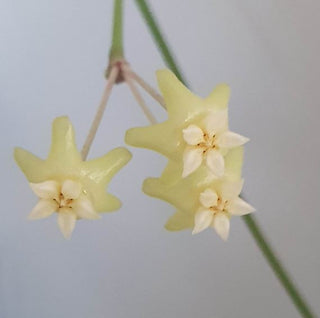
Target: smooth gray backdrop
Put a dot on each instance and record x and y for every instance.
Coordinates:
(52, 59)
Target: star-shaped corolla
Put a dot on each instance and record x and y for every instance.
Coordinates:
(209, 141)
(190, 195)
(68, 185)
(217, 205)
(196, 131)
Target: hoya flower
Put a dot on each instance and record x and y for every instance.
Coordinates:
(66, 184)
(209, 141)
(185, 193)
(217, 205)
(68, 198)
(196, 131)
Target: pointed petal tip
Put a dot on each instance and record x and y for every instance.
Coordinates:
(222, 89)
(222, 226)
(240, 207)
(17, 152)
(179, 221)
(215, 162)
(61, 125)
(124, 153)
(66, 236)
(66, 223)
(173, 90)
(48, 189)
(43, 209)
(197, 230)
(61, 120)
(225, 239)
(117, 204)
(202, 220)
(132, 137)
(30, 165)
(120, 156)
(164, 74)
(223, 235)
(220, 95)
(151, 186)
(84, 209)
(192, 160)
(185, 173)
(229, 139)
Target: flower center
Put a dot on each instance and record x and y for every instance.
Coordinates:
(208, 143)
(63, 202)
(221, 207)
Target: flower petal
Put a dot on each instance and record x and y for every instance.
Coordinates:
(66, 222)
(192, 159)
(71, 189)
(240, 207)
(219, 97)
(63, 151)
(216, 122)
(43, 209)
(221, 224)
(208, 198)
(193, 135)
(230, 139)
(85, 210)
(180, 221)
(202, 220)
(215, 162)
(231, 190)
(46, 190)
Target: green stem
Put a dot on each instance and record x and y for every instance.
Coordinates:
(159, 38)
(277, 267)
(252, 225)
(116, 50)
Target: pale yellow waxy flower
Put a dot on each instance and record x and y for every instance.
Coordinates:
(196, 130)
(209, 140)
(217, 205)
(68, 198)
(68, 185)
(203, 156)
(190, 195)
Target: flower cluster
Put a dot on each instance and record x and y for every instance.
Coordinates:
(68, 185)
(203, 176)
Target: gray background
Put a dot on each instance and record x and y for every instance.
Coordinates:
(53, 54)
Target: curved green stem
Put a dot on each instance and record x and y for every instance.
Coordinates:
(159, 38)
(116, 50)
(250, 221)
(277, 267)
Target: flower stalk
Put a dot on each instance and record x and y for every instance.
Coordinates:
(99, 114)
(145, 86)
(136, 94)
(250, 221)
